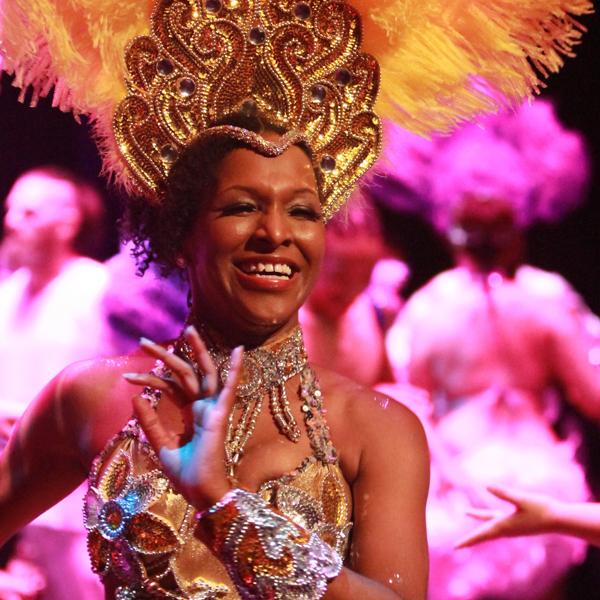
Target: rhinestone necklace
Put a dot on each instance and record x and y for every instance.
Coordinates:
(265, 371)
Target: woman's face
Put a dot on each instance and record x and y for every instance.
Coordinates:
(255, 250)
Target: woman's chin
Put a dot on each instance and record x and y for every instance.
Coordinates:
(252, 327)
(253, 317)
(268, 310)
(271, 323)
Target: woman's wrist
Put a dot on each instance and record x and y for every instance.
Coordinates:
(554, 516)
(265, 553)
(209, 498)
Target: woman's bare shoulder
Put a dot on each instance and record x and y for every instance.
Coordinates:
(357, 403)
(365, 419)
(83, 379)
(93, 397)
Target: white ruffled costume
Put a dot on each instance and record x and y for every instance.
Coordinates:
(446, 341)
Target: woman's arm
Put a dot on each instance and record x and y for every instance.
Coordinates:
(54, 442)
(534, 514)
(40, 464)
(568, 345)
(388, 556)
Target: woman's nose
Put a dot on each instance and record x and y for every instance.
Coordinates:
(274, 228)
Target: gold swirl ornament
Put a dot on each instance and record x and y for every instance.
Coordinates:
(297, 62)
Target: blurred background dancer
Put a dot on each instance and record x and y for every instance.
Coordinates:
(356, 297)
(49, 302)
(50, 317)
(497, 344)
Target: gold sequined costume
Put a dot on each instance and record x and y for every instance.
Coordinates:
(141, 532)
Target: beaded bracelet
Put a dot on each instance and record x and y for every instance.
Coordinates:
(266, 554)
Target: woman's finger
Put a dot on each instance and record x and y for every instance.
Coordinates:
(200, 411)
(170, 459)
(481, 534)
(150, 380)
(217, 420)
(210, 380)
(181, 369)
(228, 395)
(481, 514)
(157, 435)
(505, 494)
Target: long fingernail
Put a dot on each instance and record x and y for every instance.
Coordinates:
(131, 375)
(190, 330)
(146, 342)
(237, 352)
(204, 387)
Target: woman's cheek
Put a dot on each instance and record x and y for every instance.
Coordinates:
(313, 239)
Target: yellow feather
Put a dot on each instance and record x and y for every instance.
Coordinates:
(446, 61)
(442, 61)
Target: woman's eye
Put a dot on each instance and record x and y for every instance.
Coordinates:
(306, 212)
(238, 208)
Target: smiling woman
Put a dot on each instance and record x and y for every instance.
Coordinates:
(249, 231)
(258, 219)
(239, 128)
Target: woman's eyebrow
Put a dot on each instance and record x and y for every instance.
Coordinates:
(305, 189)
(255, 190)
(251, 190)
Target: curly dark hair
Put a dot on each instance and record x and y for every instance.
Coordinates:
(157, 231)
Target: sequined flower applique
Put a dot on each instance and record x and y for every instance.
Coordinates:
(124, 539)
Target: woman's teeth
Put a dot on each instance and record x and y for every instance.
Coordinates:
(269, 269)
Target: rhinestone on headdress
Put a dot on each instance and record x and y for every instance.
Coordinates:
(164, 67)
(213, 6)
(257, 36)
(327, 163)
(318, 93)
(187, 87)
(299, 61)
(343, 77)
(168, 154)
(302, 11)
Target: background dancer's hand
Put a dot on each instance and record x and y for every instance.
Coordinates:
(531, 514)
(196, 467)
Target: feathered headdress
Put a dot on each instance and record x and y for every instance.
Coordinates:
(525, 158)
(155, 74)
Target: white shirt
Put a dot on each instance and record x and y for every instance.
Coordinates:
(41, 335)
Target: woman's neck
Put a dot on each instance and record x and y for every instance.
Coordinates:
(249, 335)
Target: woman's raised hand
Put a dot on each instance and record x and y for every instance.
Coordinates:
(197, 467)
(531, 514)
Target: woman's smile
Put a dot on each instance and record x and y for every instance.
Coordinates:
(267, 273)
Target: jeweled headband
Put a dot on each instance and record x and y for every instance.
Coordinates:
(153, 76)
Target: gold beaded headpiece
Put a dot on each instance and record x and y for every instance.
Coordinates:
(296, 61)
(154, 75)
